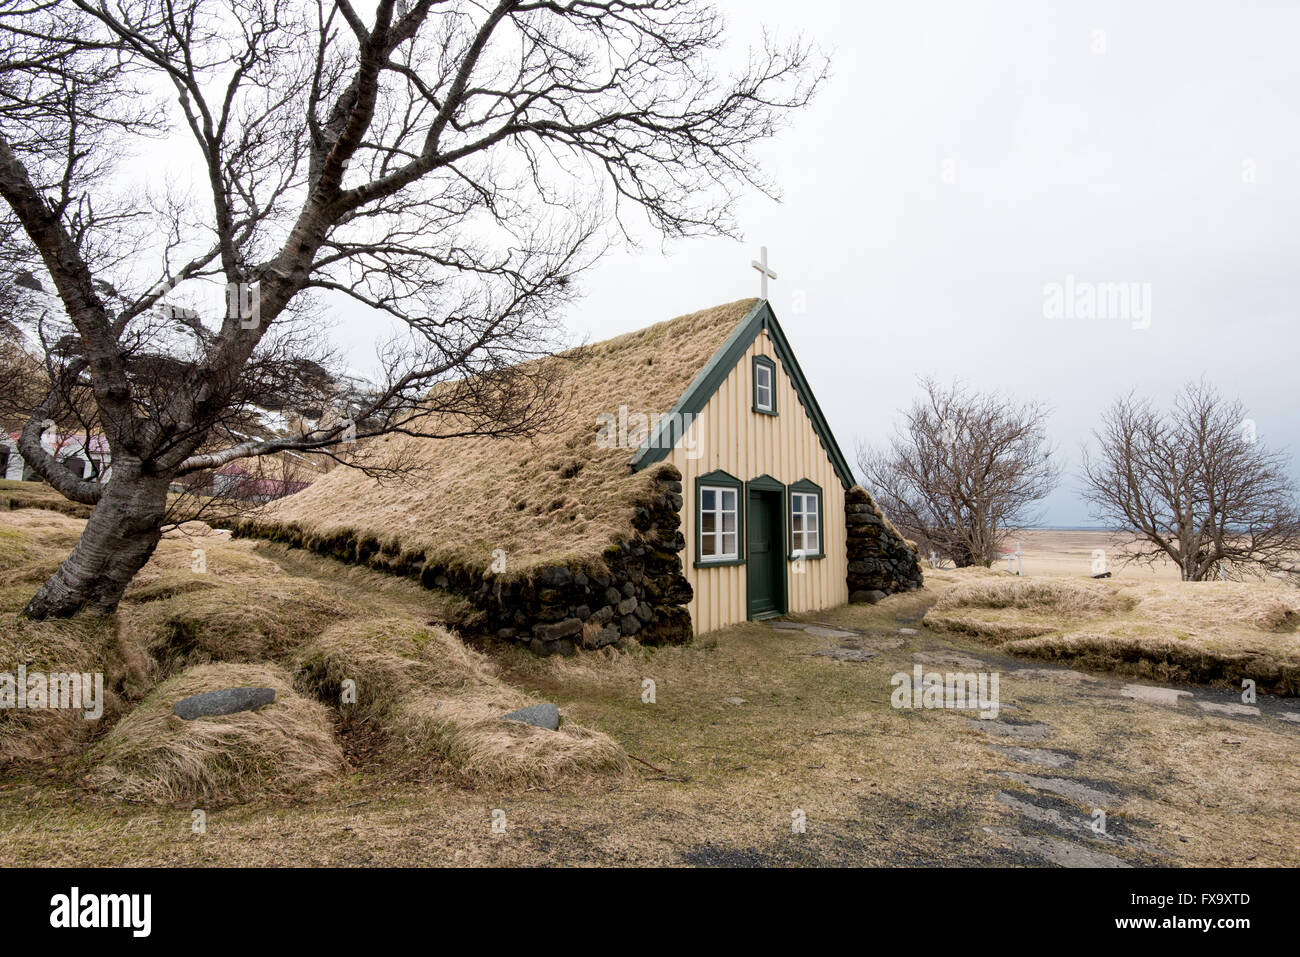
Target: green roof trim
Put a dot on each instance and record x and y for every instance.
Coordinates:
(660, 442)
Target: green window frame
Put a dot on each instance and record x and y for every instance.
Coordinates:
(764, 395)
(805, 507)
(712, 504)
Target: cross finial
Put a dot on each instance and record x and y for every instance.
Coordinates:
(761, 265)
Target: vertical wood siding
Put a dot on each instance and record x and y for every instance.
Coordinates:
(730, 436)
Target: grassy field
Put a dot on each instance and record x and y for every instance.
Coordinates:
(1070, 554)
(1217, 632)
(751, 729)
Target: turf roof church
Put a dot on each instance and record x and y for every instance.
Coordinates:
(764, 482)
(692, 482)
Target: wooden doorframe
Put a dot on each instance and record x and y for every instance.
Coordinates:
(774, 497)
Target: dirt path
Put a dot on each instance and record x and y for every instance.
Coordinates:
(1064, 811)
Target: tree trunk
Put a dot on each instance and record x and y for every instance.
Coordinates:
(118, 540)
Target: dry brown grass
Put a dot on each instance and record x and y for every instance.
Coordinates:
(1215, 632)
(258, 605)
(441, 702)
(61, 646)
(554, 498)
(284, 748)
(1043, 595)
(16, 495)
(880, 786)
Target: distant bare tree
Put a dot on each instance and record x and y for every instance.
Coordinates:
(1194, 485)
(450, 165)
(962, 470)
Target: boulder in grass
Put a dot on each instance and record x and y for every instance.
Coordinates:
(544, 715)
(225, 701)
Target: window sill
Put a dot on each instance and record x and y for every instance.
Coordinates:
(771, 412)
(807, 558)
(724, 563)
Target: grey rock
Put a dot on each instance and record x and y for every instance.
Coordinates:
(605, 636)
(629, 624)
(627, 606)
(643, 612)
(1055, 851)
(225, 701)
(1154, 695)
(544, 715)
(1064, 787)
(1051, 759)
(1231, 708)
(1022, 732)
(561, 629)
(817, 631)
(555, 576)
(846, 654)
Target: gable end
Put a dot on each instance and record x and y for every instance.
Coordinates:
(659, 444)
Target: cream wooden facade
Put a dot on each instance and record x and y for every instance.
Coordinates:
(729, 435)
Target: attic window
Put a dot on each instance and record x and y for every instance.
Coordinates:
(764, 385)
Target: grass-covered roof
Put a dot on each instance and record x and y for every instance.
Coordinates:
(555, 497)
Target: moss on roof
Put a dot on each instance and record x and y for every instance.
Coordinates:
(555, 497)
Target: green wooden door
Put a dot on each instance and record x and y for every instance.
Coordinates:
(765, 565)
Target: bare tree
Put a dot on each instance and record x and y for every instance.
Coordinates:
(962, 470)
(1194, 485)
(450, 165)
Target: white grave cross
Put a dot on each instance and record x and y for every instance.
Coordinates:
(761, 265)
(1014, 559)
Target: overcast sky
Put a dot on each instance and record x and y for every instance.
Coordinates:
(966, 154)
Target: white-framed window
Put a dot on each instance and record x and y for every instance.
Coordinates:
(805, 523)
(719, 524)
(764, 386)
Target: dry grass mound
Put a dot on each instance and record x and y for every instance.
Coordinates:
(1279, 616)
(83, 647)
(998, 609)
(1052, 596)
(32, 544)
(1209, 632)
(1162, 658)
(285, 748)
(225, 623)
(241, 608)
(554, 498)
(441, 701)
